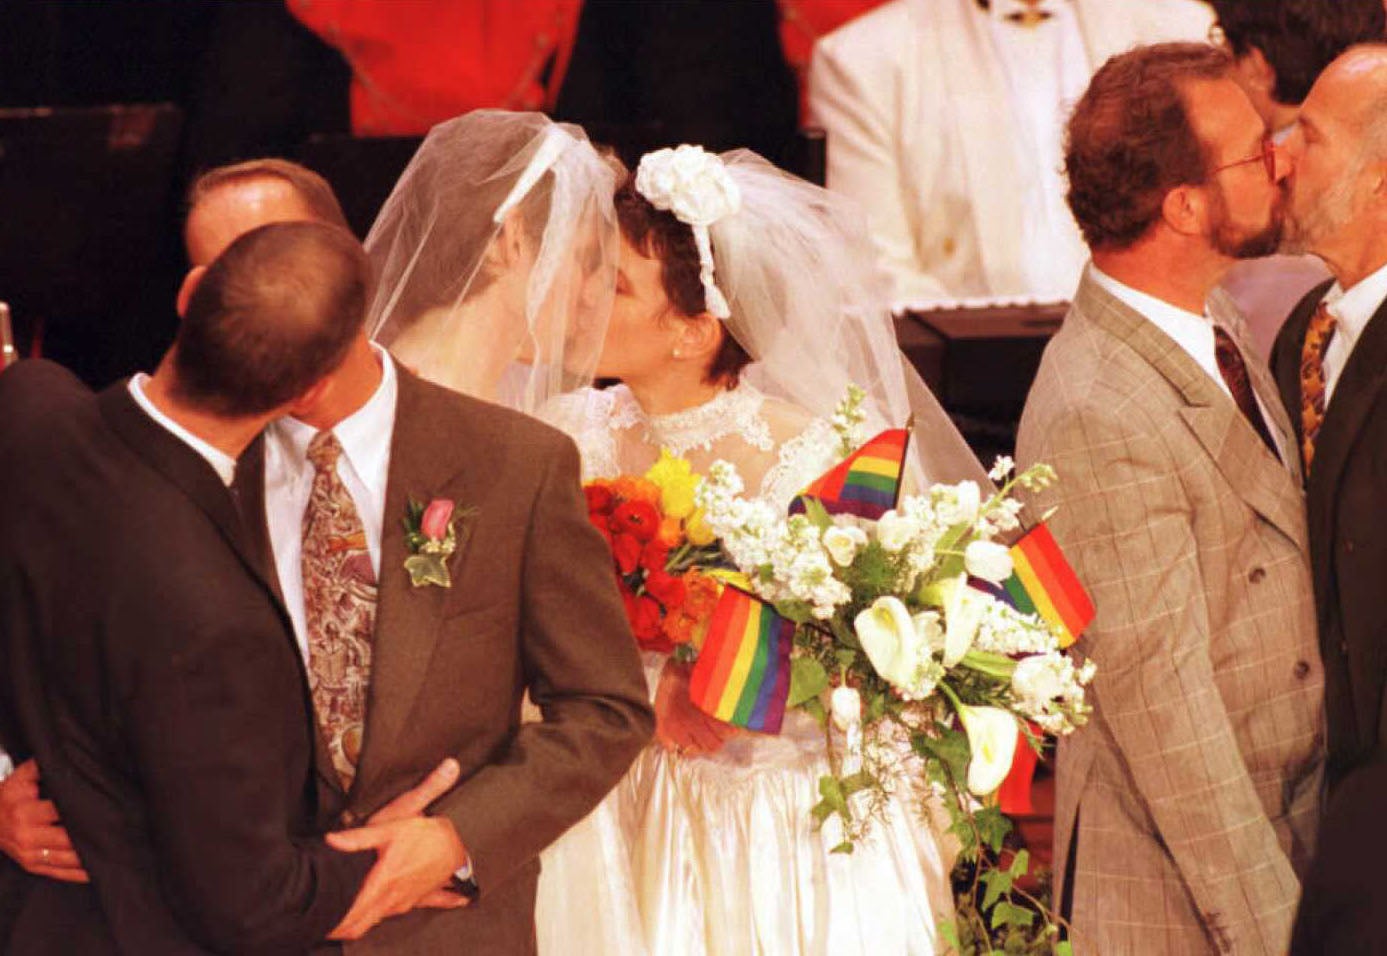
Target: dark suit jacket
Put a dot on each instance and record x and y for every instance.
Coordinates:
(1347, 521)
(1345, 895)
(146, 665)
(533, 606)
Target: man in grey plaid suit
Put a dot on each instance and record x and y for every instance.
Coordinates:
(1186, 809)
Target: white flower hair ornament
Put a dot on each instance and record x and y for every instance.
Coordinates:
(695, 186)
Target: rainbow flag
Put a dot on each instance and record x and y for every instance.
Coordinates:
(866, 483)
(1043, 583)
(742, 675)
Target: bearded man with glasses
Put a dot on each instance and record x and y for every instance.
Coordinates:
(1186, 809)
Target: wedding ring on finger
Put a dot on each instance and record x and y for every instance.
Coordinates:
(44, 856)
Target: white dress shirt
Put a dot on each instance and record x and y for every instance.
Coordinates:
(1352, 310)
(363, 467)
(1045, 67)
(222, 463)
(1193, 333)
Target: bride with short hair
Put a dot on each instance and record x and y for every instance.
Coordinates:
(746, 301)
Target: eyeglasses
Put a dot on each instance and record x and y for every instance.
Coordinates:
(1267, 157)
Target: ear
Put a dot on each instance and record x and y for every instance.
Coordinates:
(1185, 210)
(302, 407)
(189, 286)
(1255, 72)
(699, 337)
(509, 242)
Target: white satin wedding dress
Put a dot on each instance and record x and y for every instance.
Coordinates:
(718, 854)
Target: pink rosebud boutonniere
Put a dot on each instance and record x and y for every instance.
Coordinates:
(432, 534)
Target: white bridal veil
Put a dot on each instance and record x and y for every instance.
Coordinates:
(496, 258)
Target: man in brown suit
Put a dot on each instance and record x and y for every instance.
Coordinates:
(530, 606)
(1186, 808)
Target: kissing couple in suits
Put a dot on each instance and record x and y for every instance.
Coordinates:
(173, 729)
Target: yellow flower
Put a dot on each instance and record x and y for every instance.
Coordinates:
(697, 530)
(677, 483)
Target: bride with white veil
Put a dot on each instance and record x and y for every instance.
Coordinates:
(745, 304)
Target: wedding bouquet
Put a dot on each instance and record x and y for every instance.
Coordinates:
(659, 541)
(933, 648)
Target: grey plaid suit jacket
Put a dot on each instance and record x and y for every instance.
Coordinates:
(1194, 790)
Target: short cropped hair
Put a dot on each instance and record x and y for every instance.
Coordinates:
(272, 315)
(1299, 38)
(313, 190)
(1130, 140)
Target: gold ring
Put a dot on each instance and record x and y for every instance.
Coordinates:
(44, 855)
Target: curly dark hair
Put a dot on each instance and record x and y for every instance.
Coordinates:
(1130, 141)
(1299, 38)
(659, 234)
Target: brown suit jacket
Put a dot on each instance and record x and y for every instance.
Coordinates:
(533, 606)
(1193, 791)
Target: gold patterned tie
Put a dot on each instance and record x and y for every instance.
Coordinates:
(339, 599)
(1312, 383)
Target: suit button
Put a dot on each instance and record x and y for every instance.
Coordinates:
(1256, 575)
(1302, 670)
(1348, 545)
(1343, 648)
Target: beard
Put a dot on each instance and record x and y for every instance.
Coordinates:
(1324, 216)
(1236, 242)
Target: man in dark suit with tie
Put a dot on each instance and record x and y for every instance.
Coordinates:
(144, 660)
(1330, 362)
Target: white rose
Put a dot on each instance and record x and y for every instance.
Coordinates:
(690, 182)
(895, 531)
(842, 544)
(1036, 679)
(988, 560)
(961, 504)
(963, 612)
(845, 703)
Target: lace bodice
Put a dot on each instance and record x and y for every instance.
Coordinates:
(777, 447)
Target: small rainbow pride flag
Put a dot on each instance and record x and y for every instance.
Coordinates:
(866, 483)
(742, 675)
(1042, 582)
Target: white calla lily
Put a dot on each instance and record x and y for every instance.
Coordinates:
(963, 612)
(992, 734)
(891, 641)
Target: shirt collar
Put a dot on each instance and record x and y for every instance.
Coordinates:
(1354, 308)
(364, 434)
(1170, 318)
(222, 463)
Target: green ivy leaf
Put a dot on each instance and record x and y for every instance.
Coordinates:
(808, 679)
(1065, 948)
(949, 933)
(997, 884)
(1009, 914)
(1020, 864)
(845, 847)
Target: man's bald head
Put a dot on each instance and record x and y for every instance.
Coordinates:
(1338, 150)
(229, 201)
(272, 316)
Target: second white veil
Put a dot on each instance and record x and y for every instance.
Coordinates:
(809, 302)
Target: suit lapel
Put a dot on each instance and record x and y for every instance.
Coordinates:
(423, 466)
(1356, 392)
(1247, 465)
